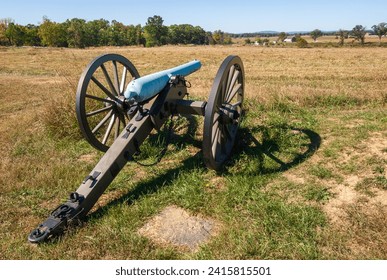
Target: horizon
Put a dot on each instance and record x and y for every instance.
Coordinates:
(246, 17)
(225, 31)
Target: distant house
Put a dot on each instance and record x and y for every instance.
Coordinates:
(290, 40)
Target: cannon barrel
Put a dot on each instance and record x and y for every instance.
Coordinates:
(146, 87)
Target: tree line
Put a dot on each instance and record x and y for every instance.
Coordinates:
(79, 33)
(358, 33)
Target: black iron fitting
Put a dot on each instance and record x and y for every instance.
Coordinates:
(228, 114)
(61, 212)
(76, 197)
(175, 80)
(130, 108)
(141, 113)
(92, 177)
(58, 220)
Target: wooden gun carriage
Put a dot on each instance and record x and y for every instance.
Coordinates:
(117, 110)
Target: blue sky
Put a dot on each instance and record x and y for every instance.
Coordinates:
(235, 16)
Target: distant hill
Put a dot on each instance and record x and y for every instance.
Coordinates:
(268, 32)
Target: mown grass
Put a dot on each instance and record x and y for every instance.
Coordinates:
(315, 119)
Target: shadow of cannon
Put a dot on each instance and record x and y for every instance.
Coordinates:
(247, 144)
(270, 147)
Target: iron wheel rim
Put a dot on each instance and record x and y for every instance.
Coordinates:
(227, 94)
(100, 106)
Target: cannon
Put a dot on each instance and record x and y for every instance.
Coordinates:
(117, 110)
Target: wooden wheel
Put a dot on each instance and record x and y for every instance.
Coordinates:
(100, 103)
(223, 112)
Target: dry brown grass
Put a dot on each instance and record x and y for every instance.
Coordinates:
(37, 88)
(296, 74)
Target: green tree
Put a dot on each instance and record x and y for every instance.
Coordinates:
(221, 38)
(359, 33)
(15, 34)
(140, 40)
(210, 39)
(155, 32)
(117, 34)
(342, 34)
(4, 24)
(131, 35)
(97, 32)
(31, 37)
(53, 34)
(76, 33)
(315, 34)
(380, 30)
(186, 34)
(199, 36)
(282, 36)
(178, 34)
(218, 36)
(301, 42)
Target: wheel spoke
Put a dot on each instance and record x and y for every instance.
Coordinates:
(223, 139)
(109, 129)
(117, 130)
(124, 118)
(99, 111)
(232, 94)
(219, 142)
(116, 80)
(229, 80)
(232, 82)
(220, 99)
(216, 118)
(234, 79)
(104, 89)
(236, 104)
(123, 80)
(102, 122)
(215, 142)
(108, 80)
(99, 99)
(215, 129)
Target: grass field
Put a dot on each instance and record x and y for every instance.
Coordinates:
(319, 111)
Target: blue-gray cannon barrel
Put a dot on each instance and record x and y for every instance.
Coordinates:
(146, 87)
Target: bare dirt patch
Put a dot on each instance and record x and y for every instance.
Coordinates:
(335, 208)
(346, 194)
(216, 183)
(358, 209)
(295, 178)
(377, 145)
(175, 226)
(88, 158)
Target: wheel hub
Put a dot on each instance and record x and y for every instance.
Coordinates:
(120, 104)
(228, 114)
